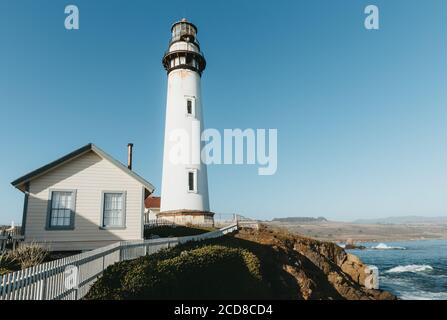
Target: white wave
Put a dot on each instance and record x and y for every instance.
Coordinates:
(383, 246)
(422, 295)
(411, 268)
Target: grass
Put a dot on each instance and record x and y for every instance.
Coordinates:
(221, 268)
(209, 271)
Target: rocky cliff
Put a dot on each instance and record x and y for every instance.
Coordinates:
(312, 269)
(251, 264)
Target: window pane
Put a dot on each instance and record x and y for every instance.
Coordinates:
(55, 202)
(107, 202)
(68, 201)
(62, 200)
(191, 181)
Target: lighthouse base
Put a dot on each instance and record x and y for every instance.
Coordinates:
(188, 217)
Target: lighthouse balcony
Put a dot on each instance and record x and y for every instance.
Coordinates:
(184, 59)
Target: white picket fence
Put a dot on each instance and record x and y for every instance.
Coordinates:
(47, 281)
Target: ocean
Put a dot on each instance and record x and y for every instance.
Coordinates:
(412, 270)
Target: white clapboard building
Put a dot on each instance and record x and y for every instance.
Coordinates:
(84, 200)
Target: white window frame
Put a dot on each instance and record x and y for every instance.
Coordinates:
(71, 225)
(122, 225)
(194, 172)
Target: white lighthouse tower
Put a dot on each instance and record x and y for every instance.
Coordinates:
(184, 190)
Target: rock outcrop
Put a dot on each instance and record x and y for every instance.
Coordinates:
(321, 270)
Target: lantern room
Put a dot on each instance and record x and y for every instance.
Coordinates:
(184, 49)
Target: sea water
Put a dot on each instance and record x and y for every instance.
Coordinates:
(412, 270)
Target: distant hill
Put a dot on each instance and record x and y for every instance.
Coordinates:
(387, 229)
(404, 220)
(299, 219)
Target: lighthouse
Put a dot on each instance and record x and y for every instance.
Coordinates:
(184, 189)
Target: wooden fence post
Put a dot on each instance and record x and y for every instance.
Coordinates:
(43, 283)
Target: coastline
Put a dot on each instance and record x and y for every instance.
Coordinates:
(342, 232)
(412, 270)
(392, 240)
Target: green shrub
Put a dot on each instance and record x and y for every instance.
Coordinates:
(200, 272)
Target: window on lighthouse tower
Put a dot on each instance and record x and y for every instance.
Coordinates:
(192, 181)
(190, 107)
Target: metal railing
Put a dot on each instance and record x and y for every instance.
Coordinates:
(153, 223)
(12, 231)
(220, 220)
(51, 280)
(10, 237)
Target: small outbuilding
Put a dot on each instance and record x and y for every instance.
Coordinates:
(152, 209)
(82, 201)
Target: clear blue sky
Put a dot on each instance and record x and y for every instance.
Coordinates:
(361, 115)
